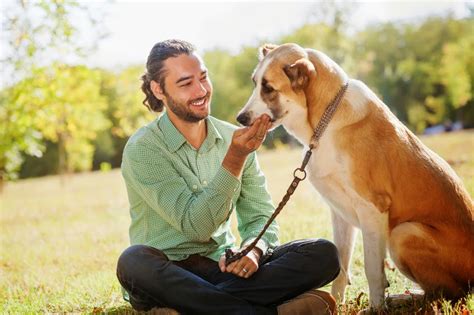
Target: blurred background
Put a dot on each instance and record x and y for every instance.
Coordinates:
(70, 91)
(70, 98)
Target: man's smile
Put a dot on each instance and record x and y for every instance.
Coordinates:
(199, 103)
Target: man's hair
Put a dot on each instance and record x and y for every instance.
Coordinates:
(155, 68)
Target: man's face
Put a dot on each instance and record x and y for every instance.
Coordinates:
(188, 90)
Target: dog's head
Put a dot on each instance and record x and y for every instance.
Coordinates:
(280, 79)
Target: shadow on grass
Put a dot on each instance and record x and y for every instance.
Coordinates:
(128, 310)
(124, 309)
(404, 305)
(421, 306)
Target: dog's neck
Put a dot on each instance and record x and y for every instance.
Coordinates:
(323, 86)
(301, 130)
(316, 106)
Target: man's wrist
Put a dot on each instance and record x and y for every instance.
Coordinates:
(257, 252)
(234, 161)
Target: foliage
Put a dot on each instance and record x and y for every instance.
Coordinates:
(38, 34)
(230, 76)
(424, 71)
(123, 96)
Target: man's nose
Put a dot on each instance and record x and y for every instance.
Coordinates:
(201, 90)
(244, 118)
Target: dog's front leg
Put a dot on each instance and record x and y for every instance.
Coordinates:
(344, 238)
(374, 235)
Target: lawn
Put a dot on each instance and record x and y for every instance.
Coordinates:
(60, 241)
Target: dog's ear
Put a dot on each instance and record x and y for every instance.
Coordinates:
(299, 73)
(264, 50)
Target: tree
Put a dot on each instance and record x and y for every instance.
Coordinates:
(38, 34)
(457, 77)
(70, 112)
(125, 111)
(422, 71)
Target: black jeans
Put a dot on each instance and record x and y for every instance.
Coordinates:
(197, 286)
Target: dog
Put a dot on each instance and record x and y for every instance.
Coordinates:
(373, 172)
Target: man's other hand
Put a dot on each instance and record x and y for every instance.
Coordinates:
(245, 267)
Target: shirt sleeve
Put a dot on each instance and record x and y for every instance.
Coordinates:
(155, 179)
(254, 207)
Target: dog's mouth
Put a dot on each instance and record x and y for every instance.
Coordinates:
(277, 121)
(272, 120)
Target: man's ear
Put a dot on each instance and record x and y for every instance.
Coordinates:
(299, 73)
(264, 50)
(157, 90)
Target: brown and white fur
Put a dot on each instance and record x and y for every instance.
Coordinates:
(373, 172)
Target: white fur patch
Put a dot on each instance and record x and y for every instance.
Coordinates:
(255, 105)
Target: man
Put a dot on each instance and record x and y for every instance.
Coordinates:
(186, 172)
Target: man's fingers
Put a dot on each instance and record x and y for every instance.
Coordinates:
(238, 266)
(251, 138)
(244, 267)
(248, 268)
(252, 131)
(251, 271)
(269, 124)
(231, 266)
(262, 129)
(247, 271)
(222, 263)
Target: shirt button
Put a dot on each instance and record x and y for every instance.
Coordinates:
(200, 154)
(195, 187)
(204, 182)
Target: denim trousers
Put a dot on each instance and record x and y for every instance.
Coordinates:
(197, 286)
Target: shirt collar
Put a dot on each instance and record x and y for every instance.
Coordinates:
(212, 135)
(174, 139)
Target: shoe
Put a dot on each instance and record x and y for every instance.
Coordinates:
(312, 302)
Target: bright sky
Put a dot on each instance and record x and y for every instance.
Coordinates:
(135, 26)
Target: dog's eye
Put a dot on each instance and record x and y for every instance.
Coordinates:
(267, 88)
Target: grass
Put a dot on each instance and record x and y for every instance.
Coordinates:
(60, 243)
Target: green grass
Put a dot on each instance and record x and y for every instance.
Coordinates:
(60, 243)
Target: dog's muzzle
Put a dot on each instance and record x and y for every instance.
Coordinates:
(244, 118)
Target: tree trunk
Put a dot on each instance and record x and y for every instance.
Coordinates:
(2, 181)
(62, 164)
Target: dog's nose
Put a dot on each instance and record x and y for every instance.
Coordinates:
(244, 118)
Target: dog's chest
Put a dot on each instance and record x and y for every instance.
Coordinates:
(329, 172)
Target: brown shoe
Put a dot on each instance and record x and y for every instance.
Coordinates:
(312, 302)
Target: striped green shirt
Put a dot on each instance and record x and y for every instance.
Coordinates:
(181, 198)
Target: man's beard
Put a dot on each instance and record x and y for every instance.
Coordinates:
(182, 110)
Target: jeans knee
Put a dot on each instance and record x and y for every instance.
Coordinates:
(133, 261)
(332, 256)
(326, 253)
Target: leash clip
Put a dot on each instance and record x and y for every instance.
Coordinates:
(302, 173)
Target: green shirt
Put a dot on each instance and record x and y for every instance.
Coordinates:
(181, 198)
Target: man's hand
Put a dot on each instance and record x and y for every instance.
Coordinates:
(248, 139)
(245, 266)
(245, 141)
